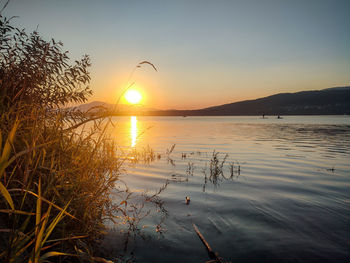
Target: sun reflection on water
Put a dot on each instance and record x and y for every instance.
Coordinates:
(133, 130)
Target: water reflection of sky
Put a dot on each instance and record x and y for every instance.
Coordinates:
(291, 197)
(133, 130)
(227, 134)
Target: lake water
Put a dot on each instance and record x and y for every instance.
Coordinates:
(285, 196)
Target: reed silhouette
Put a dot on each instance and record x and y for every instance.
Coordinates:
(57, 175)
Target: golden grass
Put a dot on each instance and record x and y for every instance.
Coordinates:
(56, 178)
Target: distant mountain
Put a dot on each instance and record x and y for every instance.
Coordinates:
(327, 101)
(331, 101)
(93, 106)
(123, 109)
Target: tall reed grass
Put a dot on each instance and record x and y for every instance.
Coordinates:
(56, 178)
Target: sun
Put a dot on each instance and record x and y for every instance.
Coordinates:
(133, 96)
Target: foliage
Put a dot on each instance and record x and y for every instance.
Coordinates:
(55, 177)
(35, 71)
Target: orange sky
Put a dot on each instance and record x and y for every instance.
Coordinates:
(161, 90)
(207, 52)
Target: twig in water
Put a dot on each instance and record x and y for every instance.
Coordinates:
(212, 255)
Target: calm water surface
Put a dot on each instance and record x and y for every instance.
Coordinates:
(290, 201)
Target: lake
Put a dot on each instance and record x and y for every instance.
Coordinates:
(283, 196)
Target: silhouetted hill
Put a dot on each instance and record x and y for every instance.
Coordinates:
(331, 101)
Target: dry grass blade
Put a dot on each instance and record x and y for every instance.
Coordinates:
(54, 223)
(149, 63)
(7, 148)
(7, 196)
(54, 254)
(66, 238)
(45, 200)
(169, 151)
(5, 5)
(39, 236)
(38, 208)
(19, 212)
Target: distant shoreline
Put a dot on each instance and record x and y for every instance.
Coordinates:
(331, 101)
(213, 115)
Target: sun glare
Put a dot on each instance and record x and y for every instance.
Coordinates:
(133, 96)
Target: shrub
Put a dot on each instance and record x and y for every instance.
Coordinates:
(55, 177)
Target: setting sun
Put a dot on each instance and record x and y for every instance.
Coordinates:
(133, 96)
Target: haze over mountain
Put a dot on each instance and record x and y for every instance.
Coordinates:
(331, 101)
(96, 106)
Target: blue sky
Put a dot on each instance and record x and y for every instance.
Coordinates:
(206, 52)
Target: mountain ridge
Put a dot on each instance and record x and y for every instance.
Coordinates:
(326, 101)
(329, 101)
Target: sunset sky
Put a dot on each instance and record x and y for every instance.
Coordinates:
(206, 52)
